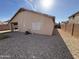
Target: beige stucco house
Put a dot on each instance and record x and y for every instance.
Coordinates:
(74, 18)
(35, 22)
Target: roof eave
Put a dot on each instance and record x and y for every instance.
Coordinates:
(23, 9)
(73, 14)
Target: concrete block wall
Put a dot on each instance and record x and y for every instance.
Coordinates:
(72, 29)
(63, 27)
(76, 30)
(4, 27)
(69, 28)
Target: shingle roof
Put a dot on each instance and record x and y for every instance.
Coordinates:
(23, 9)
(74, 14)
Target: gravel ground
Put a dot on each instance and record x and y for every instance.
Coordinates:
(33, 46)
(71, 42)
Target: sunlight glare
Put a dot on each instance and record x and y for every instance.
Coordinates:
(47, 4)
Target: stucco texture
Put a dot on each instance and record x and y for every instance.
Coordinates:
(35, 23)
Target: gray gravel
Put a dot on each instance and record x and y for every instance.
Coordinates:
(33, 46)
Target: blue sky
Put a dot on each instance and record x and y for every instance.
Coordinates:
(61, 9)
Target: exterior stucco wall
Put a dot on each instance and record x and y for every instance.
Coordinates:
(35, 23)
(75, 19)
(71, 20)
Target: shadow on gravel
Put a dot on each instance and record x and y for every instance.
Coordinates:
(66, 54)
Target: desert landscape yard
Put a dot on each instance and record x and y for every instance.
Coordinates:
(34, 46)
